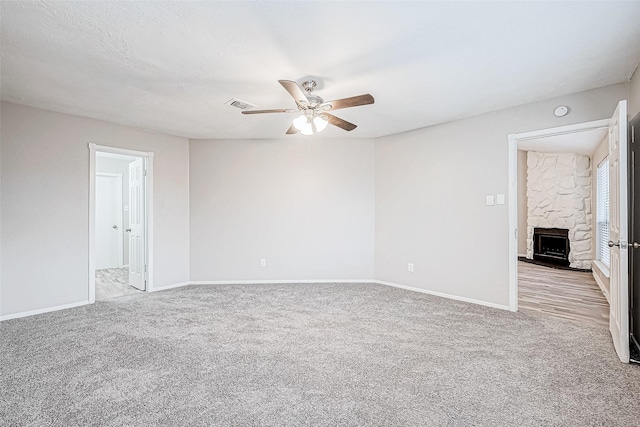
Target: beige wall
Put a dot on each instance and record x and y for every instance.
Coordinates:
(306, 206)
(634, 94)
(333, 213)
(522, 203)
(430, 191)
(45, 199)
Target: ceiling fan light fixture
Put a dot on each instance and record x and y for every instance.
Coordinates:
(300, 122)
(314, 117)
(320, 123)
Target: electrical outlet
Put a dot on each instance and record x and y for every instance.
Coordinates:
(263, 262)
(410, 268)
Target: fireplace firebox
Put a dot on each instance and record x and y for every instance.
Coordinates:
(551, 245)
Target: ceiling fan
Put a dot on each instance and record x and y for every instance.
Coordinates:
(314, 110)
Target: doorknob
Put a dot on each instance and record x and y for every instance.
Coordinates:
(115, 227)
(623, 245)
(128, 230)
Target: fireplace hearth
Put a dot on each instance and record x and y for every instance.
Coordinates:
(551, 245)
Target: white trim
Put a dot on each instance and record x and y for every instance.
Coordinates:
(603, 268)
(43, 310)
(604, 290)
(522, 255)
(358, 281)
(512, 140)
(148, 156)
(272, 282)
(275, 282)
(513, 222)
(175, 285)
(91, 293)
(562, 130)
(116, 150)
(149, 222)
(443, 295)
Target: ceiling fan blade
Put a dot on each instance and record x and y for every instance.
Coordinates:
(278, 110)
(292, 130)
(295, 91)
(354, 101)
(337, 121)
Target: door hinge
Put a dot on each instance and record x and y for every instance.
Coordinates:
(144, 172)
(145, 268)
(633, 134)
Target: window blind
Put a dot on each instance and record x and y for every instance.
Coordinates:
(602, 212)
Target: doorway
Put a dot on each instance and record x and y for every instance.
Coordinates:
(616, 221)
(559, 272)
(120, 222)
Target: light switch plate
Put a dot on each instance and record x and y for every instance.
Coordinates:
(489, 200)
(499, 199)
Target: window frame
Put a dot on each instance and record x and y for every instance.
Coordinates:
(603, 252)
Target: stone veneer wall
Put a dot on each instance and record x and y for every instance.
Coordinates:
(559, 196)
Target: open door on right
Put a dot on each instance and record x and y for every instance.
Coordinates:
(618, 232)
(634, 237)
(137, 221)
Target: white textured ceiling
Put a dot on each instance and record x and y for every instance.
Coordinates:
(171, 66)
(584, 142)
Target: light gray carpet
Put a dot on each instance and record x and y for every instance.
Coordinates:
(292, 355)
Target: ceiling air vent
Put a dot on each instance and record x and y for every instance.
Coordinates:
(238, 103)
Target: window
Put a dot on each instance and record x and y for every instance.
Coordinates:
(602, 212)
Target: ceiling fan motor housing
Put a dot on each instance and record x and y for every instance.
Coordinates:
(314, 101)
(309, 85)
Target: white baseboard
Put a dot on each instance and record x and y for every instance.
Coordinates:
(275, 282)
(175, 285)
(42, 310)
(271, 282)
(378, 282)
(604, 290)
(522, 255)
(443, 295)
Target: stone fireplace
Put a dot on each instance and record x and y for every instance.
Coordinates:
(559, 197)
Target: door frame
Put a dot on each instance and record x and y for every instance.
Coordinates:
(513, 139)
(118, 177)
(148, 156)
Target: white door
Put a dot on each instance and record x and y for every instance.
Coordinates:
(108, 221)
(137, 215)
(618, 232)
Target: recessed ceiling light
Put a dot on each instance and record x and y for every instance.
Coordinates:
(561, 111)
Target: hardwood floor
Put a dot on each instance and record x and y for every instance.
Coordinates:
(567, 294)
